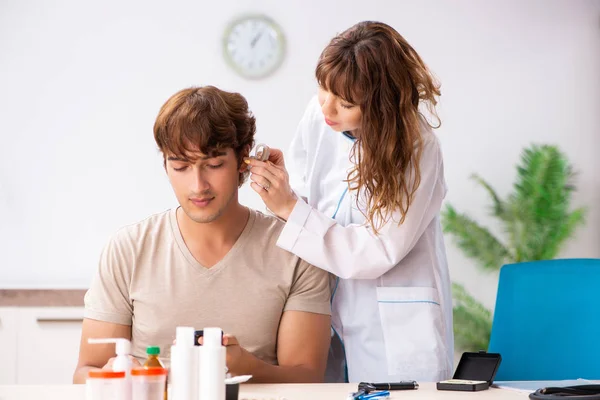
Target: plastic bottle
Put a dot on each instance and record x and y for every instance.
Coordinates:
(197, 335)
(184, 366)
(102, 385)
(153, 361)
(212, 365)
(148, 383)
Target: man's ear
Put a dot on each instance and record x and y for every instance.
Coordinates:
(245, 153)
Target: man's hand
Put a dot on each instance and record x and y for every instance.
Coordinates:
(238, 359)
(303, 343)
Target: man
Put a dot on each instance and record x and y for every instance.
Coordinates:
(211, 261)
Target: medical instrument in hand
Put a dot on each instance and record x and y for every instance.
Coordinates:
(261, 152)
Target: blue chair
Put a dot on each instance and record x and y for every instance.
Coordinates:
(547, 320)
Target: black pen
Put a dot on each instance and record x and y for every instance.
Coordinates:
(404, 385)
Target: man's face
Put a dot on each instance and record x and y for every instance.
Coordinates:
(204, 185)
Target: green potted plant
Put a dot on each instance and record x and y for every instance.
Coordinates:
(537, 221)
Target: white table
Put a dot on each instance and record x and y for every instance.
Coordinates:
(273, 392)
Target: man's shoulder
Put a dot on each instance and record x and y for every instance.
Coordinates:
(149, 227)
(269, 226)
(265, 233)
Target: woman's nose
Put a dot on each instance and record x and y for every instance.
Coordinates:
(328, 106)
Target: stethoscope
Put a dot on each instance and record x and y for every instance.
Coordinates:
(580, 392)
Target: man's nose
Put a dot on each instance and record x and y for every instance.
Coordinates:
(201, 184)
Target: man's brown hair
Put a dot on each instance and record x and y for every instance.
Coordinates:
(205, 119)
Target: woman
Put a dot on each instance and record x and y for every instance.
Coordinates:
(362, 201)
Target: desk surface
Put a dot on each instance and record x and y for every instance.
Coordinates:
(272, 392)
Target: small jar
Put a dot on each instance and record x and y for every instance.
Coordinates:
(148, 384)
(102, 385)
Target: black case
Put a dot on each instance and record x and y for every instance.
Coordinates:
(475, 372)
(232, 391)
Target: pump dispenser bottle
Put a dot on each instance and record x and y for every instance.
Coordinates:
(123, 360)
(122, 349)
(212, 365)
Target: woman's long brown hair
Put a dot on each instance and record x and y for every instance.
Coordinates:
(371, 65)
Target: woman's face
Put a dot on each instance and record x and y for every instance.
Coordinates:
(340, 115)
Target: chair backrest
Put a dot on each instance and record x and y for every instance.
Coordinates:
(547, 320)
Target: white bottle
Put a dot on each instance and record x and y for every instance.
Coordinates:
(212, 365)
(123, 360)
(184, 366)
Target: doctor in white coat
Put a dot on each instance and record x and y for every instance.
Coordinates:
(362, 200)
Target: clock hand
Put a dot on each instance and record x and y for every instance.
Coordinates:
(253, 43)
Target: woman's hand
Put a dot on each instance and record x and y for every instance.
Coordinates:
(271, 181)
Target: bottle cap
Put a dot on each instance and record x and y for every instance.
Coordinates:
(184, 336)
(213, 337)
(153, 350)
(149, 371)
(104, 374)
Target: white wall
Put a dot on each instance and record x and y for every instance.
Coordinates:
(81, 83)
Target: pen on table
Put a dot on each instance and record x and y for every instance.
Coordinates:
(364, 395)
(403, 385)
(375, 395)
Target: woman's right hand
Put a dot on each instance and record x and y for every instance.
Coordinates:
(276, 157)
(271, 181)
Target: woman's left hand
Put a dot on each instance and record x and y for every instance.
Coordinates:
(271, 181)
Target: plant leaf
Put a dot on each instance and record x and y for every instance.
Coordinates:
(475, 241)
(499, 207)
(472, 321)
(541, 201)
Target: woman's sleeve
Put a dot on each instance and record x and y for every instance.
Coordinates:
(355, 251)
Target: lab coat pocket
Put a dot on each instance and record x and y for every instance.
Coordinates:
(413, 331)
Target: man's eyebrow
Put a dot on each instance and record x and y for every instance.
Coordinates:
(213, 154)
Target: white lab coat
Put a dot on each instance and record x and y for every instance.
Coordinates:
(392, 307)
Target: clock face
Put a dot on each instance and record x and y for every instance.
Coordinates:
(254, 46)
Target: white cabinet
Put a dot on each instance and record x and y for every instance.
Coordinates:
(8, 348)
(43, 342)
